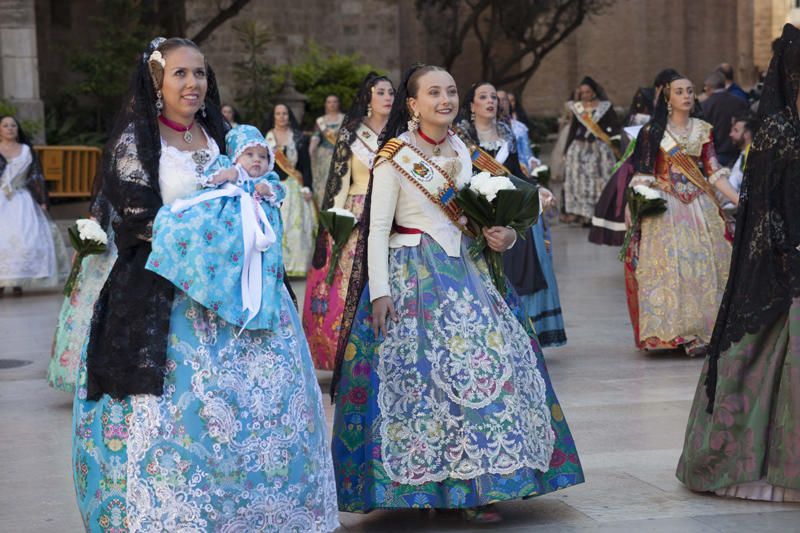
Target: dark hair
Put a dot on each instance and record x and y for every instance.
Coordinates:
(236, 116)
(294, 125)
(465, 115)
(664, 77)
(647, 149)
(749, 120)
(726, 70)
(358, 109)
(409, 86)
(140, 110)
(643, 101)
(22, 137)
(596, 87)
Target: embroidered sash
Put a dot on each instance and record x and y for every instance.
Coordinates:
(486, 163)
(284, 164)
(584, 116)
(366, 145)
(686, 165)
(426, 176)
(326, 131)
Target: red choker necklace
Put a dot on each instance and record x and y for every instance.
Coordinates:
(187, 135)
(436, 144)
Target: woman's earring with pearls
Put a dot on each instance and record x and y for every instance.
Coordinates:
(369, 110)
(669, 108)
(203, 109)
(413, 124)
(159, 101)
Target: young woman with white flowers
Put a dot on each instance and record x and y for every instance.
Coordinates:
(442, 396)
(345, 189)
(677, 265)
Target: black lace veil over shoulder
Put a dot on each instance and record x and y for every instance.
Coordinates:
(765, 265)
(127, 346)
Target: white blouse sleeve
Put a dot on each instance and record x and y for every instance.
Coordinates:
(385, 192)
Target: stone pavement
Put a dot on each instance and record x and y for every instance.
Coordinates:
(627, 411)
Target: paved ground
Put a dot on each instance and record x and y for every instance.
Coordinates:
(627, 411)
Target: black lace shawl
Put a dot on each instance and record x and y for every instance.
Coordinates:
(34, 181)
(340, 166)
(765, 264)
(128, 343)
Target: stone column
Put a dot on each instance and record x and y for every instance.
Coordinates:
(19, 66)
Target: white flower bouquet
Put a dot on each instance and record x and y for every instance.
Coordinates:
(87, 238)
(643, 201)
(339, 223)
(498, 201)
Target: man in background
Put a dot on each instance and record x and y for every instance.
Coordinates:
(719, 109)
(730, 85)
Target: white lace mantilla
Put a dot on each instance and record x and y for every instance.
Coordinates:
(481, 408)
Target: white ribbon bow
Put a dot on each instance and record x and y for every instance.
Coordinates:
(256, 240)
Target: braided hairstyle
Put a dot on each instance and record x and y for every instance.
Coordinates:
(358, 110)
(400, 114)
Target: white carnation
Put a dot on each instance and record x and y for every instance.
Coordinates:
(541, 168)
(90, 230)
(341, 212)
(648, 192)
(488, 186)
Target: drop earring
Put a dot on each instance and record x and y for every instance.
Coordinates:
(472, 117)
(669, 108)
(413, 124)
(159, 101)
(369, 110)
(203, 109)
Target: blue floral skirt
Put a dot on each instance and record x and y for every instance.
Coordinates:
(237, 442)
(544, 306)
(454, 407)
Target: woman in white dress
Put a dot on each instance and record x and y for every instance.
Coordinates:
(32, 252)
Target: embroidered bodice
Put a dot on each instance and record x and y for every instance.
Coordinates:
(16, 170)
(180, 171)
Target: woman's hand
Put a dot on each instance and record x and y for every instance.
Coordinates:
(547, 198)
(628, 219)
(499, 238)
(380, 308)
(306, 192)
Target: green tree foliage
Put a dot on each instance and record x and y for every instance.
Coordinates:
(107, 65)
(320, 72)
(255, 77)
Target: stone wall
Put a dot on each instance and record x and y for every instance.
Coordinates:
(19, 64)
(623, 48)
(366, 27)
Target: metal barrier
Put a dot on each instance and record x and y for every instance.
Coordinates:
(69, 170)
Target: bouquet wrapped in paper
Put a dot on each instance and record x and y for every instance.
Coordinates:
(542, 174)
(87, 238)
(498, 201)
(339, 224)
(643, 201)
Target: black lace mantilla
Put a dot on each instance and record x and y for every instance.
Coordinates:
(128, 343)
(340, 166)
(765, 265)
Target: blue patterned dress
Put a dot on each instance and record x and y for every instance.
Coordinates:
(454, 407)
(237, 442)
